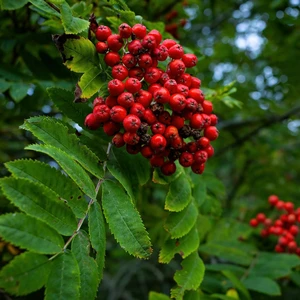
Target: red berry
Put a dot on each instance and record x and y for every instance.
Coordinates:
(133, 149)
(131, 123)
(177, 121)
(118, 140)
(203, 142)
(145, 61)
(192, 147)
(198, 168)
(253, 223)
(177, 67)
(280, 205)
(268, 222)
(213, 120)
(207, 107)
(101, 47)
(125, 99)
(137, 109)
(283, 241)
(289, 206)
(152, 75)
(197, 121)
(144, 98)
(186, 159)
(177, 102)
(119, 72)
(164, 78)
(177, 142)
(260, 217)
(158, 142)
(131, 138)
(291, 218)
(149, 42)
(168, 43)
(133, 85)
(168, 168)
(200, 156)
(139, 31)
(157, 35)
(171, 132)
(176, 51)
(161, 95)
(161, 53)
(196, 83)
(111, 101)
(149, 117)
(157, 161)
(191, 104)
(197, 95)
(112, 58)
(129, 60)
(111, 128)
(116, 87)
(292, 246)
(118, 113)
(158, 128)
(98, 101)
(135, 47)
(209, 150)
(294, 230)
(273, 199)
(171, 86)
(102, 33)
(190, 60)
(279, 249)
(91, 121)
(125, 31)
(182, 89)
(137, 73)
(211, 133)
(165, 118)
(115, 42)
(185, 79)
(147, 152)
(102, 112)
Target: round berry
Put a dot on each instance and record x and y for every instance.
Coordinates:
(158, 142)
(168, 168)
(137, 109)
(131, 138)
(168, 43)
(125, 99)
(177, 102)
(129, 60)
(207, 107)
(111, 128)
(118, 113)
(125, 31)
(197, 121)
(115, 42)
(92, 122)
(152, 75)
(190, 60)
(101, 47)
(186, 159)
(119, 72)
(135, 47)
(139, 31)
(145, 61)
(177, 67)
(143, 97)
(273, 199)
(198, 168)
(102, 112)
(102, 33)
(118, 140)
(157, 35)
(158, 127)
(176, 51)
(157, 161)
(196, 94)
(161, 95)
(116, 87)
(112, 58)
(149, 42)
(133, 85)
(131, 123)
(211, 133)
(260, 217)
(200, 156)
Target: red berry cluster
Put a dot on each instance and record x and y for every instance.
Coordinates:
(286, 226)
(151, 110)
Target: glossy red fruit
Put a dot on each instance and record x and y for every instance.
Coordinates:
(177, 121)
(207, 107)
(186, 159)
(273, 199)
(157, 35)
(260, 217)
(98, 101)
(200, 156)
(137, 109)
(185, 79)
(196, 94)
(149, 42)
(177, 67)
(165, 118)
(168, 43)
(161, 53)
(171, 132)
(168, 168)
(176, 51)
(157, 161)
(139, 31)
(203, 142)
(125, 31)
(161, 95)
(280, 205)
(190, 60)
(144, 98)
(146, 151)
(133, 85)
(211, 133)
(158, 127)
(177, 102)
(101, 47)
(198, 168)
(112, 58)
(118, 113)
(145, 61)
(268, 222)
(182, 89)
(129, 60)
(195, 83)
(111, 101)
(91, 122)
(131, 123)
(102, 112)
(158, 142)
(152, 75)
(213, 120)
(292, 246)
(111, 128)
(253, 223)
(164, 78)
(119, 72)
(102, 33)
(209, 150)
(289, 206)
(197, 121)
(294, 229)
(118, 140)
(116, 87)
(135, 47)
(137, 73)
(171, 86)
(125, 99)
(115, 42)
(131, 138)
(149, 117)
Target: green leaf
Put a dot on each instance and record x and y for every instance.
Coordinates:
(73, 169)
(12, 5)
(160, 178)
(89, 278)
(189, 277)
(131, 171)
(30, 233)
(26, 273)
(237, 270)
(63, 99)
(237, 284)
(64, 280)
(4, 85)
(184, 246)
(199, 189)
(262, 285)
(124, 221)
(51, 132)
(295, 277)
(179, 195)
(72, 24)
(274, 265)
(58, 183)
(80, 54)
(38, 202)
(44, 7)
(91, 82)
(97, 235)
(179, 224)
(18, 91)
(157, 296)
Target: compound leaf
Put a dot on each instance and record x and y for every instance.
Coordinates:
(124, 220)
(51, 132)
(64, 280)
(41, 203)
(26, 273)
(30, 233)
(74, 170)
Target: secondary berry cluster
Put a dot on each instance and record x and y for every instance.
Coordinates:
(153, 105)
(285, 227)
